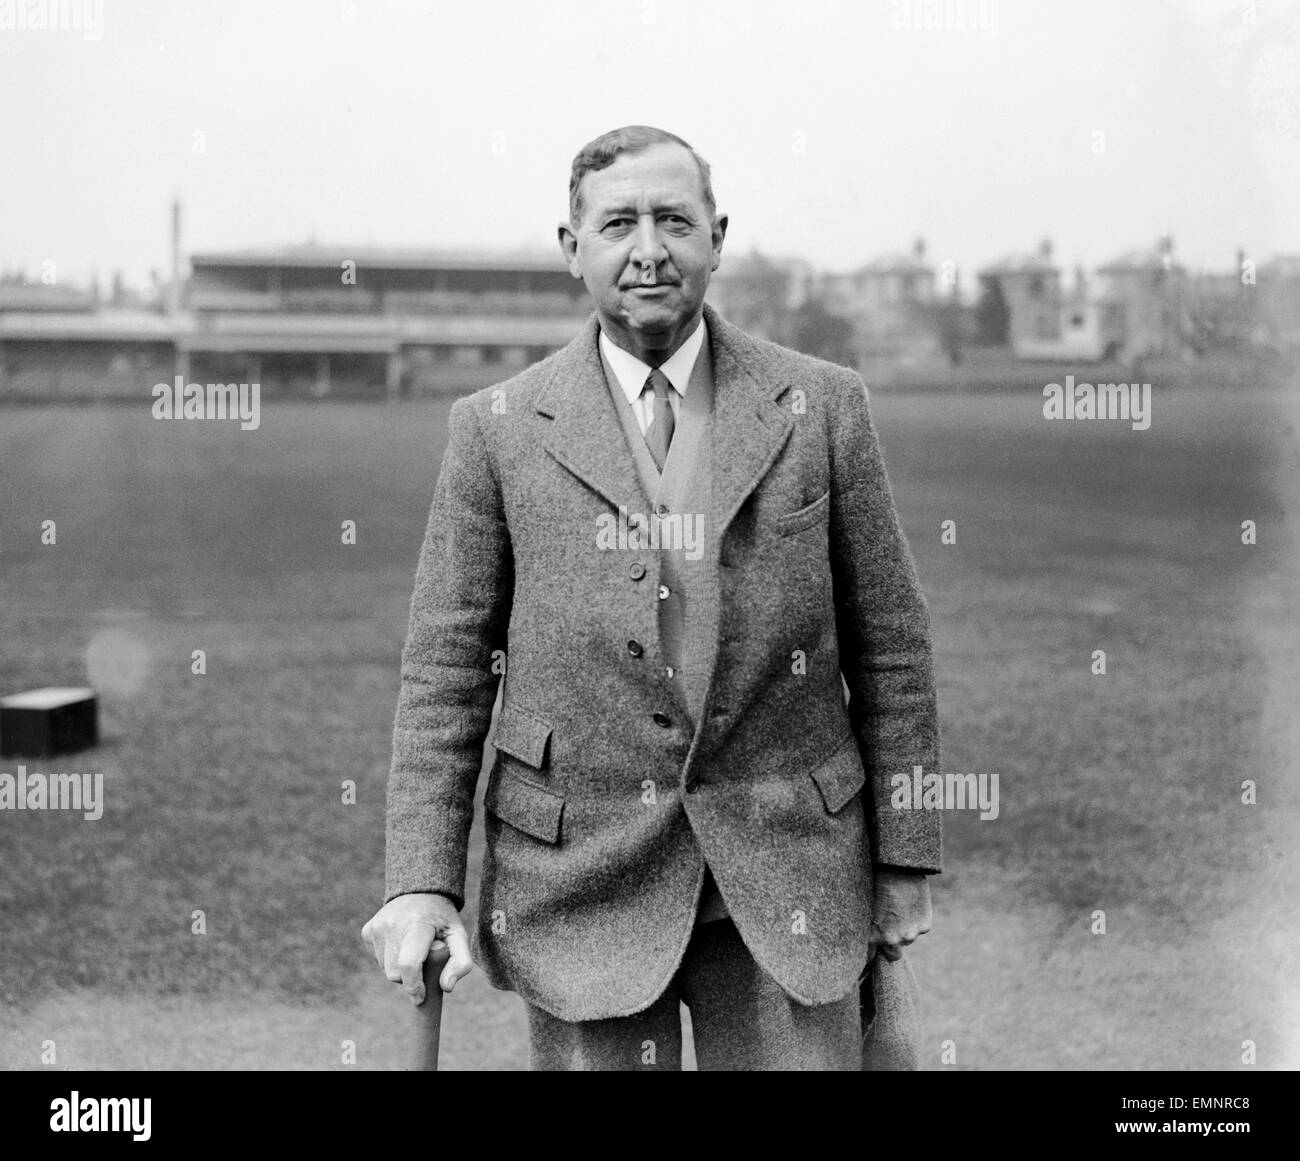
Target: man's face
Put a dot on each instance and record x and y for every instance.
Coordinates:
(646, 248)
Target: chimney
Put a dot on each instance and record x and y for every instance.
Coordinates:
(918, 248)
(1165, 248)
(1045, 249)
(174, 288)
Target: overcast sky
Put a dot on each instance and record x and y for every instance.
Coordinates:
(835, 131)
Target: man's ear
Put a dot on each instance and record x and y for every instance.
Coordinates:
(569, 248)
(719, 233)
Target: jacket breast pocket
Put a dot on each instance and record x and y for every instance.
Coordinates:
(841, 776)
(515, 794)
(805, 517)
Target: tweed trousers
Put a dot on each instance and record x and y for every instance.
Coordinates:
(741, 1020)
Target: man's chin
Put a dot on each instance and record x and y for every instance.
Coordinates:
(651, 316)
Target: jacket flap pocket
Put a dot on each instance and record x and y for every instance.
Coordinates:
(806, 516)
(841, 776)
(532, 809)
(522, 735)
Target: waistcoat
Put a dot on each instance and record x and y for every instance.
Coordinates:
(688, 596)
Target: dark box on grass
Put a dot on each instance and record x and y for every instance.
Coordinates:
(45, 722)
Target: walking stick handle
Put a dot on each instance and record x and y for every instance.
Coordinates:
(426, 1020)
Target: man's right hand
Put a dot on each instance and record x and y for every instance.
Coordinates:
(403, 930)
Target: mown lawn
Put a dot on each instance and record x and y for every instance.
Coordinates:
(1118, 793)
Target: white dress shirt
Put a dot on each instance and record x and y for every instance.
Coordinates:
(631, 374)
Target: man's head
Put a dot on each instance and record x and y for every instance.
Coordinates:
(644, 235)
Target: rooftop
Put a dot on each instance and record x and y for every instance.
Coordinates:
(382, 258)
(100, 325)
(1145, 258)
(896, 264)
(1282, 265)
(38, 296)
(1022, 263)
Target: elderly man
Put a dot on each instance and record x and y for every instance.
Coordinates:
(679, 545)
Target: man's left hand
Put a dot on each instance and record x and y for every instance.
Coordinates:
(900, 911)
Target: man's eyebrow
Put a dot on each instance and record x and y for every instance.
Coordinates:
(631, 211)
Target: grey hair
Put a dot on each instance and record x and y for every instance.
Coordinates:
(600, 153)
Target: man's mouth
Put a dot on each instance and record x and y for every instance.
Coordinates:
(647, 278)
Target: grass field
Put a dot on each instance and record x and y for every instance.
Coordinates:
(223, 791)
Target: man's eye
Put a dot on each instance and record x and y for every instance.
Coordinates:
(615, 223)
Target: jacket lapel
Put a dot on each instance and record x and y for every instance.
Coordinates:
(749, 427)
(586, 436)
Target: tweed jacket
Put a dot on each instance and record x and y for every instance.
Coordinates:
(605, 797)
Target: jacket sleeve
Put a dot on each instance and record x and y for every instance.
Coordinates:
(460, 612)
(883, 629)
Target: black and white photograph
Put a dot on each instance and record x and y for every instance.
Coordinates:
(658, 536)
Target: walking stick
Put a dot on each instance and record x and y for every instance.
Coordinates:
(426, 1021)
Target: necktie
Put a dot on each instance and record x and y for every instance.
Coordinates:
(659, 434)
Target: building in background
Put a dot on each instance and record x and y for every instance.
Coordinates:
(57, 342)
(318, 322)
(315, 321)
(1081, 332)
(1221, 309)
(1143, 299)
(888, 300)
(759, 294)
(305, 321)
(1277, 286)
(1030, 286)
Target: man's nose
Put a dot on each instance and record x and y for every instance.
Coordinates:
(647, 246)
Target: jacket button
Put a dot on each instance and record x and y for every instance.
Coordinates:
(663, 592)
(662, 719)
(634, 648)
(636, 571)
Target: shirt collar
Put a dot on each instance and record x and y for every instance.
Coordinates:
(631, 373)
